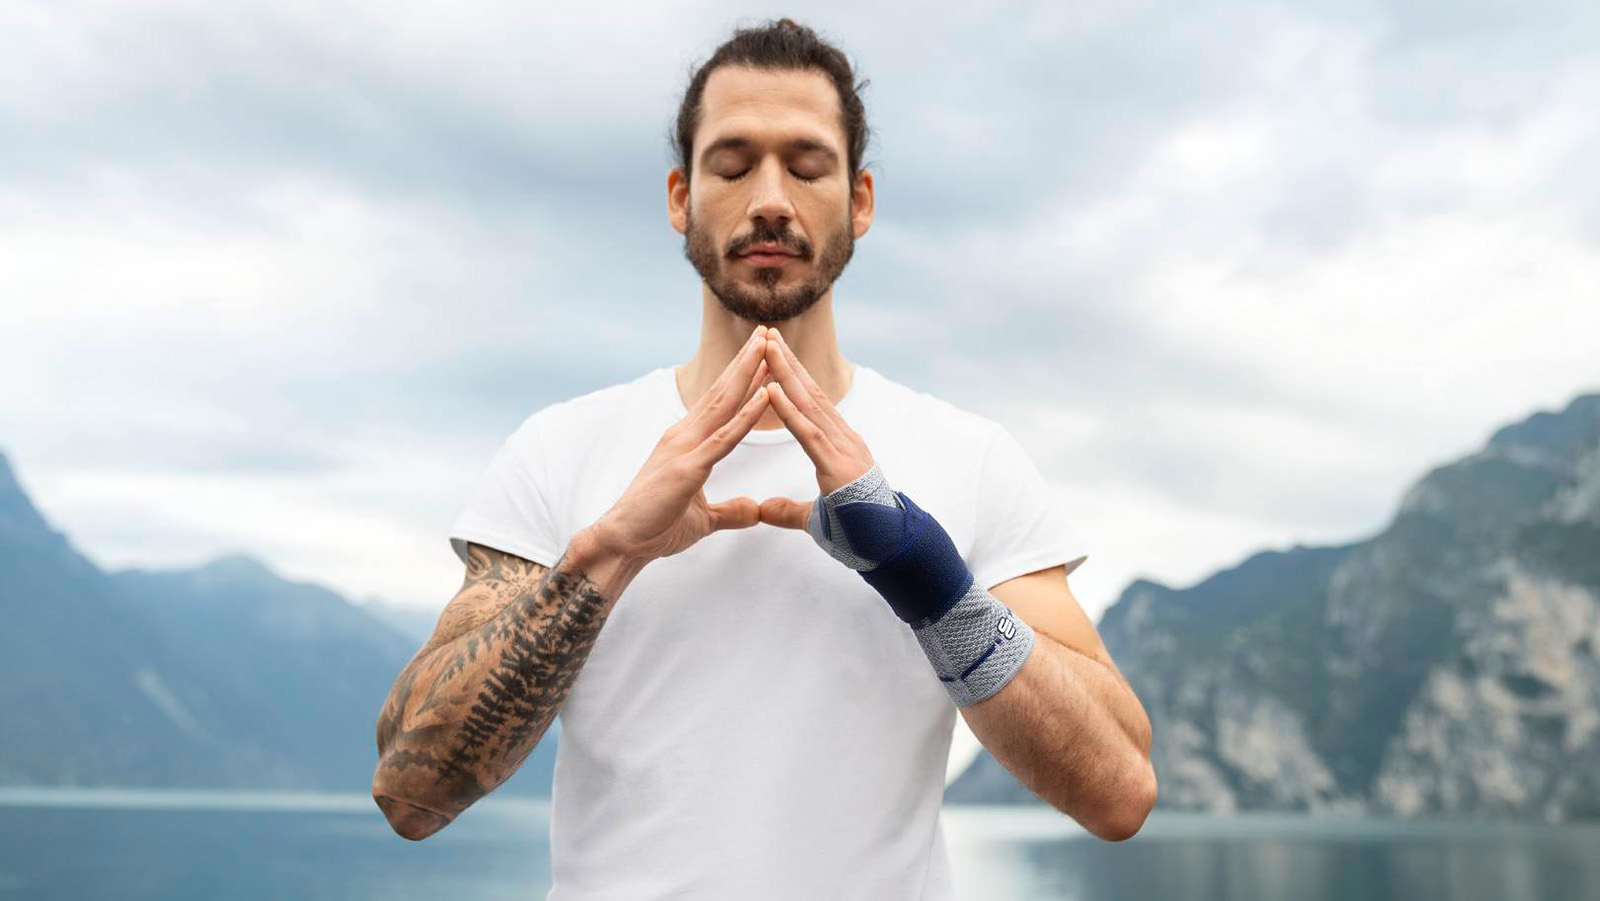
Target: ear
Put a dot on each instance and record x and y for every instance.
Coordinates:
(677, 200)
(862, 203)
(785, 512)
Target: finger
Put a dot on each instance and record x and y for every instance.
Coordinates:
(810, 384)
(785, 512)
(717, 404)
(754, 344)
(751, 353)
(812, 439)
(756, 380)
(720, 442)
(783, 370)
(739, 513)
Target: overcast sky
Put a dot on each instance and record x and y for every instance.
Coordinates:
(281, 278)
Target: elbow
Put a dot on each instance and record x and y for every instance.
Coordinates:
(409, 821)
(1129, 806)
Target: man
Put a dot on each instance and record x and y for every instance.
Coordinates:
(767, 712)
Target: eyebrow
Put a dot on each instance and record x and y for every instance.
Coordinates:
(737, 142)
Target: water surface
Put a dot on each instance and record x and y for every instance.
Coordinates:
(131, 844)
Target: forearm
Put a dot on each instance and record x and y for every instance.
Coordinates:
(461, 719)
(1071, 731)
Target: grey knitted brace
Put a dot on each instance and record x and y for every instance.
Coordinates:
(977, 646)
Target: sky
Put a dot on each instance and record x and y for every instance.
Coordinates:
(281, 277)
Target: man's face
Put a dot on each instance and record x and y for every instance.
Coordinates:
(769, 167)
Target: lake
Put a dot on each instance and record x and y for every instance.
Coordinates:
(128, 844)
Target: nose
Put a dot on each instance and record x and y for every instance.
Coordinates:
(769, 200)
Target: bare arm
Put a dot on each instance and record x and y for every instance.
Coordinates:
(1062, 728)
(494, 579)
(476, 699)
(1067, 724)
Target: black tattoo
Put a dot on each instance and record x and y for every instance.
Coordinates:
(492, 692)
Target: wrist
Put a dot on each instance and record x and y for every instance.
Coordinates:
(600, 562)
(976, 647)
(918, 569)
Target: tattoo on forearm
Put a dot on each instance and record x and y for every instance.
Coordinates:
(486, 565)
(492, 693)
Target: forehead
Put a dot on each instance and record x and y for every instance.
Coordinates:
(769, 106)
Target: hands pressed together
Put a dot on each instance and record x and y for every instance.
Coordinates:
(664, 510)
(974, 642)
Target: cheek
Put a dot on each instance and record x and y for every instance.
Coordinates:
(717, 216)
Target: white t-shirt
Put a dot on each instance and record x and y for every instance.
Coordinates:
(753, 721)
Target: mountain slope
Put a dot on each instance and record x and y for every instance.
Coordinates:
(84, 679)
(1447, 665)
(225, 675)
(303, 672)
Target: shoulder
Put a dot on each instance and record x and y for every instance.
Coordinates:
(596, 408)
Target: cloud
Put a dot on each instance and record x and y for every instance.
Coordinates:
(281, 277)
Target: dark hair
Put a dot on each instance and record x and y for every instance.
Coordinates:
(781, 45)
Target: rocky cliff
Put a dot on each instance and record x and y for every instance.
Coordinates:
(1445, 666)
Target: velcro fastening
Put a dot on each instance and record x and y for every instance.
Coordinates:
(924, 575)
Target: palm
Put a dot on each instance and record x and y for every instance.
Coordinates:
(691, 525)
(664, 510)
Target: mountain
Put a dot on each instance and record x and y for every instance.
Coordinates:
(222, 676)
(293, 675)
(80, 672)
(1448, 665)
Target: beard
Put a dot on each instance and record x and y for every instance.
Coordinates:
(763, 298)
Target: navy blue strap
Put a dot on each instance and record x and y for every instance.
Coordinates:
(922, 575)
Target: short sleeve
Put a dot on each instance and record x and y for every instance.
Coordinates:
(1020, 525)
(508, 507)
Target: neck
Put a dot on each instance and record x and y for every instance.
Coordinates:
(810, 335)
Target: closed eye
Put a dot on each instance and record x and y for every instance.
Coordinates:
(791, 172)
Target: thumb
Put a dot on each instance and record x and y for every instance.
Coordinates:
(785, 512)
(738, 513)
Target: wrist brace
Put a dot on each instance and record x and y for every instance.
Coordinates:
(975, 643)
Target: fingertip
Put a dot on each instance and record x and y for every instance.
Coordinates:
(775, 394)
(738, 512)
(784, 512)
(749, 513)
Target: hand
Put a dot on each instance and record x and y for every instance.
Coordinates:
(664, 510)
(840, 455)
